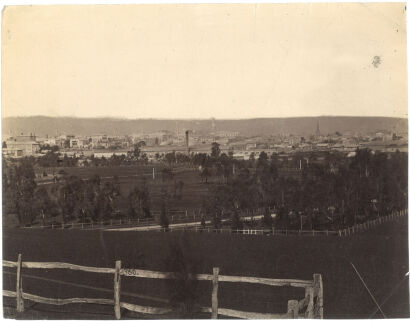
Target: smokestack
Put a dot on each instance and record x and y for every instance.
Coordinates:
(187, 140)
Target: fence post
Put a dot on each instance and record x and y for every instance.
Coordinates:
(293, 309)
(215, 293)
(19, 287)
(309, 291)
(117, 290)
(318, 288)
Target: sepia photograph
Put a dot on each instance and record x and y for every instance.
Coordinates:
(204, 161)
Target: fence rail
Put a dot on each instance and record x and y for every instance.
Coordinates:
(308, 307)
(372, 223)
(272, 232)
(151, 222)
(174, 215)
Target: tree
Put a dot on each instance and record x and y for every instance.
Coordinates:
(43, 205)
(183, 287)
(170, 158)
(163, 218)
(203, 223)
(145, 200)
(69, 197)
(252, 158)
(143, 159)
(49, 160)
(263, 158)
(134, 154)
(215, 150)
(216, 220)
(134, 208)
(200, 159)
(178, 189)
(19, 188)
(139, 202)
(205, 174)
(236, 223)
(267, 219)
(106, 203)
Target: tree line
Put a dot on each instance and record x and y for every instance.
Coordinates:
(333, 193)
(302, 190)
(72, 198)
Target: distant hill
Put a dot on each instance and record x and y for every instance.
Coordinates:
(42, 125)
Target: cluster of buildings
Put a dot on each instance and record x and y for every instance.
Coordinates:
(188, 141)
(22, 145)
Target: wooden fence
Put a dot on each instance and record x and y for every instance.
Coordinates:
(272, 232)
(372, 223)
(269, 232)
(174, 216)
(311, 306)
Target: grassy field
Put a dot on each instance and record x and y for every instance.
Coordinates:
(193, 192)
(380, 255)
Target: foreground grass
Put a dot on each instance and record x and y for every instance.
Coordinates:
(380, 255)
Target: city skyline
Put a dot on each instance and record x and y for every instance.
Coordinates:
(202, 61)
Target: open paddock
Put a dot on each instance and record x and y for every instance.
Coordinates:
(379, 254)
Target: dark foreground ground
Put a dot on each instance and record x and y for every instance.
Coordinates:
(380, 255)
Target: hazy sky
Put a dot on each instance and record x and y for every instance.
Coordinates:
(201, 61)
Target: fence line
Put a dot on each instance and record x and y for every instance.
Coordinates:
(174, 216)
(372, 223)
(188, 219)
(250, 231)
(309, 307)
(272, 232)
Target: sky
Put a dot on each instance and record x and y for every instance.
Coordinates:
(201, 61)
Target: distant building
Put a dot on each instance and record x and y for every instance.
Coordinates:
(226, 134)
(79, 143)
(250, 146)
(22, 145)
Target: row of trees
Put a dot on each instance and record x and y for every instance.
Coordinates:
(73, 198)
(333, 193)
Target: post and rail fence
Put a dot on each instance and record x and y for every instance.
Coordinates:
(277, 232)
(311, 306)
(372, 223)
(174, 215)
(189, 219)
